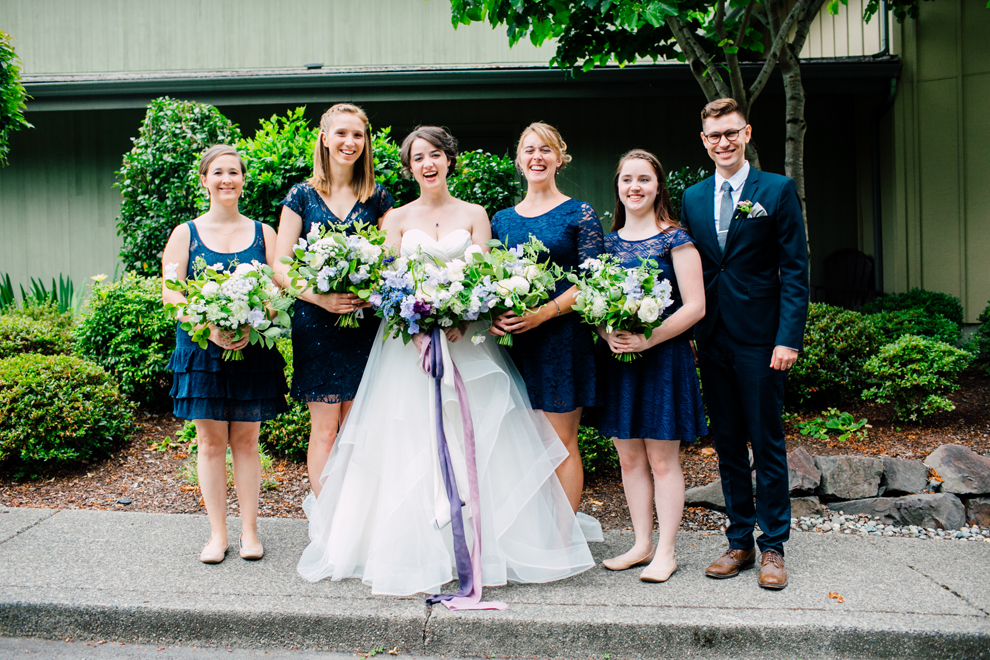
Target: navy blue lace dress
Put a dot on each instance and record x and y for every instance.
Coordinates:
(204, 385)
(328, 360)
(657, 394)
(556, 359)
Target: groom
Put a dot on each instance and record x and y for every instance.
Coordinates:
(750, 232)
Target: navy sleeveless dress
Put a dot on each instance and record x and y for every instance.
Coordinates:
(204, 385)
(657, 394)
(556, 359)
(328, 360)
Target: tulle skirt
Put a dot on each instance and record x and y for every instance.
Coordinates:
(383, 515)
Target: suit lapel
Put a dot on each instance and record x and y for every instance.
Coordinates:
(707, 232)
(739, 219)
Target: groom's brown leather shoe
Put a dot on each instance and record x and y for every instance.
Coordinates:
(733, 561)
(772, 572)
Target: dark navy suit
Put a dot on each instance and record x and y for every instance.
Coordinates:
(756, 297)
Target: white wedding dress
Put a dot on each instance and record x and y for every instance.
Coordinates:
(383, 515)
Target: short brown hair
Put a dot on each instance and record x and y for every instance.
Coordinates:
(551, 138)
(435, 135)
(661, 205)
(363, 179)
(720, 108)
(215, 152)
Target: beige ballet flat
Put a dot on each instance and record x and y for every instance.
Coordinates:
(250, 555)
(620, 564)
(212, 557)
(654, 575)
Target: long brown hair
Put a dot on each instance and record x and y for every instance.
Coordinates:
(363, 179)
(661, 205)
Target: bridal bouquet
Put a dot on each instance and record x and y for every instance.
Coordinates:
(521, 281)
(620, 298)
(419, 291)
(328, 260)
(240, 301)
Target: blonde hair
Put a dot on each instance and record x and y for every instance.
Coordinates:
(363, 179)
(551, 138)
(215, 152)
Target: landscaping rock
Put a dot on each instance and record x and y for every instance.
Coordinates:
(709, 496)
(977, 511)
(938, 511)
(802, 474)
(849, 477)
(805, 507)
(962, 470)
(901, 477)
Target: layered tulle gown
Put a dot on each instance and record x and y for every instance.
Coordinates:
(383, 515)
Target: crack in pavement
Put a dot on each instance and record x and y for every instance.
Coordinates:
(950, 590)
(426, 623)
(37, 522)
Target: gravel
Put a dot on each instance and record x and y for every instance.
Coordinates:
(863, 525)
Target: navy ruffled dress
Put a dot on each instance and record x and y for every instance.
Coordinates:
(204, 385)
(656, 395)
(556, 359)
(328, 360)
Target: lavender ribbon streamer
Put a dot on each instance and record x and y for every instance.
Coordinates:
(469, 577)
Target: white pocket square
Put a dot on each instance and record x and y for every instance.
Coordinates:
(758, 211)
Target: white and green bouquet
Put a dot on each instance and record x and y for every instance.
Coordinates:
(339, 259)
(521, 280)
(631, 299)
(244, 300)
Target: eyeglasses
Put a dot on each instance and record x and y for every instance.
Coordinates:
(730, 135)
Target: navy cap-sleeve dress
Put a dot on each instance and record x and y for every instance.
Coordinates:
(204, 385)
(328, 360)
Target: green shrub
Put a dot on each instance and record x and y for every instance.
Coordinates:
(279, 156)
(59, 409)
(486, 179)
(46, 312)
(597, 451)
(159, 181)
(388, 168)
(128, 333)
(680, 180)
(20, 334)
(913, 373)
(288, 434)
(896, 324)
(837, 343)
(12, 96)
(983, 334)
(933, 302)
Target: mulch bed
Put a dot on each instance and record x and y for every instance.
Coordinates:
(153, 479)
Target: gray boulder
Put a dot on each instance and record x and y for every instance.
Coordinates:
(804, 507)
(802, 474)
(709, 496)
(849, 477)
(978, 511)
(901, 477)
(963, 471)
(940, 510)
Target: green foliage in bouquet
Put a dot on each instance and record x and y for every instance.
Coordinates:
(58, 409)
(288, 434)
(21, 334)
(680, 180)
(12, 96)
(279, 156)
(486, 179)
(159, 179)
(914, 373)
(388, 168)
(932, 302)
(128, 332)
(895, 324)
(837, 343)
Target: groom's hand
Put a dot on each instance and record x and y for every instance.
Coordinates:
(783, 358)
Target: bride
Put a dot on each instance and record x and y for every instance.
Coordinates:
(383, 515)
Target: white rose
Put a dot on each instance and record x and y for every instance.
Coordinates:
(503, 287)
(631, 305)
(519, 284)
(455, 270)
(473, 250)
(210, 289)
(243, 269)
(649, 310)
(532, 272)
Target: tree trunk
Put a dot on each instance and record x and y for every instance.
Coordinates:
(795, 127)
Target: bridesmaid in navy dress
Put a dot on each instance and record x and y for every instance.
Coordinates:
(226, 400)
(327, 359)
(652, 404)
(551, 349)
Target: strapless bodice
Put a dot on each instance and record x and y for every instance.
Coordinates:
(448, 248)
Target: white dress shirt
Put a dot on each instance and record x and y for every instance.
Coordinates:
(737, 181)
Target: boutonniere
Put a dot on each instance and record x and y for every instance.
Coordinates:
(745, 206)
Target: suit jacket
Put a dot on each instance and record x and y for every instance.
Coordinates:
(759, 285)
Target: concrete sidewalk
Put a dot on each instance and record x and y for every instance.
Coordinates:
(135, 577)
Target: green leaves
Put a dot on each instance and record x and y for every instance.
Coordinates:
(486, 179)
(12, 96)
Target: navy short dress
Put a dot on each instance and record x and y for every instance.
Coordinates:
(556, 359)
(657, 394)
(204, 385)
(328, 360)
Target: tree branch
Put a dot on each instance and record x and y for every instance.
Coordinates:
(712, 84)
(779, 34)
(804, 26)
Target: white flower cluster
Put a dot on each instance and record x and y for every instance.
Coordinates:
(330, 257)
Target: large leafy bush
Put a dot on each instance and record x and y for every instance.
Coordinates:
(837, 343)
(932, 302)
(159, 181)
(388, 168)
(20, 334)
(896, 324)
(288, 434)
(914, 373)
(680, 180)
(12, 96)
(983, 334)
(128, 333)
(58, 409)
(486, 179)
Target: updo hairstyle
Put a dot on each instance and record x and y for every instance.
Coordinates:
(551, 138)
(435, 135)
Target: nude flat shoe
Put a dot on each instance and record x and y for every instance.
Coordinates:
(655, 575)
(212, 557)
(250, 555)
(619, 564)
